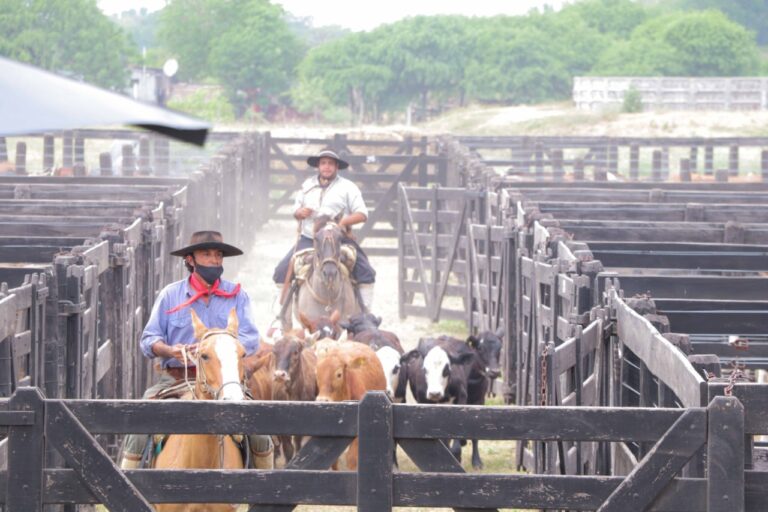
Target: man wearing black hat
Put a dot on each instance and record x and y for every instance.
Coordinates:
(169, 334)
(327, 193)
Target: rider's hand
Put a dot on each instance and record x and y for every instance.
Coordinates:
(176, 351)
(303, 212)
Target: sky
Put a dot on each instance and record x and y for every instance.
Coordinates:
(366, 15)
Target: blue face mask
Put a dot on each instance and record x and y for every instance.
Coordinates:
(209, 274)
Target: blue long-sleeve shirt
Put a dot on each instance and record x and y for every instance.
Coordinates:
(173, 328)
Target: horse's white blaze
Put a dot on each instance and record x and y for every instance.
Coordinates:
(226, 350)
(390, 361)
(434, 369)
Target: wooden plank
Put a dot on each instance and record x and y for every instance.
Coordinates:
(376, 446)
(92, 464)
(532, 491)
(220, 486)
(725, 455)
(658, 468)
(661, 357)
(26, 454)
(754, 398)
(289, 418)
(429, 456)
(416, 421)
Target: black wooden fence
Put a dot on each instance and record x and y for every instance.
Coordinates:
(675, 435)
(82, 259)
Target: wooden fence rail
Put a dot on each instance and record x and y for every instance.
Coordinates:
(675, 434)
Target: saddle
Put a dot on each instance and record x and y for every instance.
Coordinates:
(155, 443)
(302, 262)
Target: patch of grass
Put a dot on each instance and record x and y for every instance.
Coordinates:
(456, 328)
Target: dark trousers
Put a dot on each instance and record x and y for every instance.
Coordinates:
(362, 272)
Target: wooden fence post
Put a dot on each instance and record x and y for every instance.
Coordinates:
(21, 158)
(733, 160)
(634, 162)
(79, 149)
(162, 155)
(725, 455)
(558, 171)
(763, 165)
(66, 150)
(685, 169)
(613, 160)
(129, 162)
(26, 454)
(578, 170)
(144, 167)
(539, 160)
(49, 147)
(694, 156)
(721, 175)
(3, 150)
(376, 451)
(665, 163)
(105, 163)
(709, 160)
(656, 170)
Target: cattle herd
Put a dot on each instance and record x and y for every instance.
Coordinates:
(333, 360)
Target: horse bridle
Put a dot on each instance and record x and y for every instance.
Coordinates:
(334, 257)
(201, 371)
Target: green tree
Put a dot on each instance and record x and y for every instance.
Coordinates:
(517, 66)
(615, 17)
(427, 55)
(346, 72)
(702, 43)
(189, 27)
(72, 37)
(753, 14)
(258, 55)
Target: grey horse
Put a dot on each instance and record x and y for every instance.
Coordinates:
(327, 288)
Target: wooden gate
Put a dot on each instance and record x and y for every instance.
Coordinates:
(433, 251)
(676, 435)
(378, 167)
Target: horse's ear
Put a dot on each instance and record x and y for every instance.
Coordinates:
(312, 339)
(197, 324)
(335, 316)
(305, 321)
(344, 336)
(232, 323)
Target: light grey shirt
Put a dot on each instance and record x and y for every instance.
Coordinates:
(340, 196)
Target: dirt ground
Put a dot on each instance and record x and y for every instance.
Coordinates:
(274, 240)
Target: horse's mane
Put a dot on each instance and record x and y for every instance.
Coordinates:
(323, 220)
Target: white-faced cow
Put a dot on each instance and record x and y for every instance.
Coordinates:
(437, 372)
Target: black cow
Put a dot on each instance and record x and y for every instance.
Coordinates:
(482, 372)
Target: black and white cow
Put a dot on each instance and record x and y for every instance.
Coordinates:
(437, 372)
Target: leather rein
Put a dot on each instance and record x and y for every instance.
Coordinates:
(201, 371)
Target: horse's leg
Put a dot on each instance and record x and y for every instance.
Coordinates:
(287, 444)
(352, 456)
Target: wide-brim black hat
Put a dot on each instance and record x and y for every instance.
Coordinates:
(314, 161)
(207, 240)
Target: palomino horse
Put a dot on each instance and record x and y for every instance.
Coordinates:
(220, 375)
(328, 287)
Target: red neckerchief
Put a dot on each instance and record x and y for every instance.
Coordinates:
(202, 290)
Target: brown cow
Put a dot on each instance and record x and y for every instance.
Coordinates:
(295, 367)
(347, 372)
